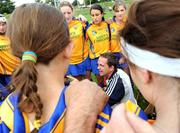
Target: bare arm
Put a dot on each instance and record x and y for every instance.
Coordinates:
(85, 100)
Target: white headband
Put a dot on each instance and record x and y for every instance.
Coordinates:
(152, 61)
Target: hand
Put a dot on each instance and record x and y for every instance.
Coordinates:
(82, 18)
(84, 100)
(126, 122)
(109, 21)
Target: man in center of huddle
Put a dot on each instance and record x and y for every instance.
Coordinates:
(117, 83)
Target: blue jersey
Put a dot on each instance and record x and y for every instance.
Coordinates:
(17, 122)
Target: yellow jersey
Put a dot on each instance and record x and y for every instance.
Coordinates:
(8, 62)
(80, 46)
(115, 29)
(98, 36)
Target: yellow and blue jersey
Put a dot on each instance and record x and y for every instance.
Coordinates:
(80, 47)
(103, 118)
(99, 38)
(8, 62)
(134, 108)
(115, 46)
(12, 120)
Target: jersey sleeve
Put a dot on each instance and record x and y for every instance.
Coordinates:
(103, 118)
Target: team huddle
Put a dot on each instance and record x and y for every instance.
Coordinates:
(38, 53)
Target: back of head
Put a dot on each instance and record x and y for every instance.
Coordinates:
(42, 29)
(39, 28)
(154, 25)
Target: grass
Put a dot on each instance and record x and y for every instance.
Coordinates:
(108, 13)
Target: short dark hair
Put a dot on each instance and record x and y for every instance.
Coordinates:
(97, 7)
(111, 59)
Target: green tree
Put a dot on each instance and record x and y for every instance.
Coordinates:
(50, 2)
(39, 1)
(6, 6)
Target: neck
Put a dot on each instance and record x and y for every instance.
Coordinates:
(110, 74)
(168, 109)
(118, 21)
(50, 79)
(50, 84)
(98, 24)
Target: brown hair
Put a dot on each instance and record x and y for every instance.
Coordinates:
(111, 59)
(42, 29)
(98, 7)
(118, 3)
(65, 3)
(154, 25)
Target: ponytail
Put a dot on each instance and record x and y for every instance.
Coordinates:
(24, 80)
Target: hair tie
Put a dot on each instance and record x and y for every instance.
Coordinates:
(37, 124)
(29, 56)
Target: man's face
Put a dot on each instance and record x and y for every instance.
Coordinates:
(68, 13)
(103, 67)
(2, 28)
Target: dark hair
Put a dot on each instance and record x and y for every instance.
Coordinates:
(154, 25)
(118, 3)
(111, 59)
(66, 3)
(46, 34)
(97, 7)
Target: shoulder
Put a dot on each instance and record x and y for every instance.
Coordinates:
(124, 18)
(90, 27)
(7, 110)
(134, 108)
(74, 22)
(104, 23)
(121, 73)
(114, 24)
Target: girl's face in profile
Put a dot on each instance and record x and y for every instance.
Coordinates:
(96, 16)
(120, 12)
(68, 13)
(2, 28)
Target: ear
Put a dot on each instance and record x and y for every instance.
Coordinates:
(145, 75)
(68, 50)
(111, 68)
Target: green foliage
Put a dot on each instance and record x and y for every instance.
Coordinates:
(6, 6)
(107, 6)
(50, 2)
(85, 11)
